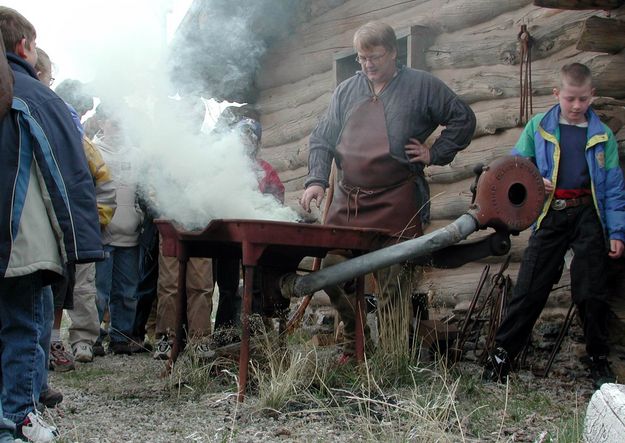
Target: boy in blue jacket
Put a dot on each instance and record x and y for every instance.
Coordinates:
(584, 210)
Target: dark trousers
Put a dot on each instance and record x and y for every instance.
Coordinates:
(227, 275)
(227, 272)
(148, 279)
(577, 228)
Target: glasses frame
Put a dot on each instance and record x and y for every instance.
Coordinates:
(373, 59)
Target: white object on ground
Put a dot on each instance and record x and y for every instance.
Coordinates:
(605, 416)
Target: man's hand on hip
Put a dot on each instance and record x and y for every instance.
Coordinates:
(417, 152)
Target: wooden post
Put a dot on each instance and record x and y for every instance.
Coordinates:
(580, 4)
(419, 40)
(602, 35)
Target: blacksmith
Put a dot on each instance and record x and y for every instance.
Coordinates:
(375, 129)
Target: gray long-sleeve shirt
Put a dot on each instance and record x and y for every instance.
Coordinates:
(415, 104)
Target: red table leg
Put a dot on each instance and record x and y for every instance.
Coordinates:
(244, 355)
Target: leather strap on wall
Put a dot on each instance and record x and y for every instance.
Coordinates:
(525, 75)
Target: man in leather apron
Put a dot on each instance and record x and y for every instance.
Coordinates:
(374, 129)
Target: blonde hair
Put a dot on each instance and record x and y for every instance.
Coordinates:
(44, 64)
(373, 34)
(575, 74)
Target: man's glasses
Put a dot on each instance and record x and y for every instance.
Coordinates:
(373, 58)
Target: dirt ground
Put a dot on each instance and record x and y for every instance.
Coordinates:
(125, 399)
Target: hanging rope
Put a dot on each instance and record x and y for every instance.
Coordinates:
(525, 75)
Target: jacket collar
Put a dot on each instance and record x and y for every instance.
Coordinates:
(18, 64)
(551, 121)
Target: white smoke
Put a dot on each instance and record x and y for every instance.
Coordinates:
(192, 177)
(195, 178)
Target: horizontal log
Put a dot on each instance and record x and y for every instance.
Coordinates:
(289, 125)
(482, 150)
(310, 49)
(294, 180)
(448, 287)
(321, 7)
(477, 84)
(579, 4)
(607, 74)
(491, 44)
(293, 95)
(286, 157)
(450, 200)
(494, 115)
(452, 16)
(602, 35)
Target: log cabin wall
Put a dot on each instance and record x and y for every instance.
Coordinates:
(473, 48)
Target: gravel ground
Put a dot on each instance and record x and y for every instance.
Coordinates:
(124, 399)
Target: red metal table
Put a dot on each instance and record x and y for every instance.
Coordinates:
(277, 246)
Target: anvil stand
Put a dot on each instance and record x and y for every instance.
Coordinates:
(276, 246)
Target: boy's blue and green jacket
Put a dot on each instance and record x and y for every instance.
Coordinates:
(540, 142)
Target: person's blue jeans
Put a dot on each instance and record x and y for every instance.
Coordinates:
(22, 359)
(46, 331)
(116, 280)
(7, 428)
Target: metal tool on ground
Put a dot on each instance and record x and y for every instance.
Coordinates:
(476, 322)
(564, 329)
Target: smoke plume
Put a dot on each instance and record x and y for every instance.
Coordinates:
(191, 177)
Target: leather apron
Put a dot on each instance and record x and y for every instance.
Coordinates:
(373, 190)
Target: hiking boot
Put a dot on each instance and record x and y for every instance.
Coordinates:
(50, 397)
(497, 366)
(83, 352)
(34, 429)
(163, 349)
(120, 348)
(136, 346)
(600, 371)
(60, 359)
(98, 349)
(148, 344)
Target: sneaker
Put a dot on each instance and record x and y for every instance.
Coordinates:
(83, 352)
(60, 359)
(163, 349)
(50, 397)
(98, 350)
(36, 430)
(120, 348)
(600, 371)
(203, 351)
(497, 366)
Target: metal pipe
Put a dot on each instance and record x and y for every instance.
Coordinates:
(509, 195)
(293, 285)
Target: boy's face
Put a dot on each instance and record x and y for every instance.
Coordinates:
(574, 100)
